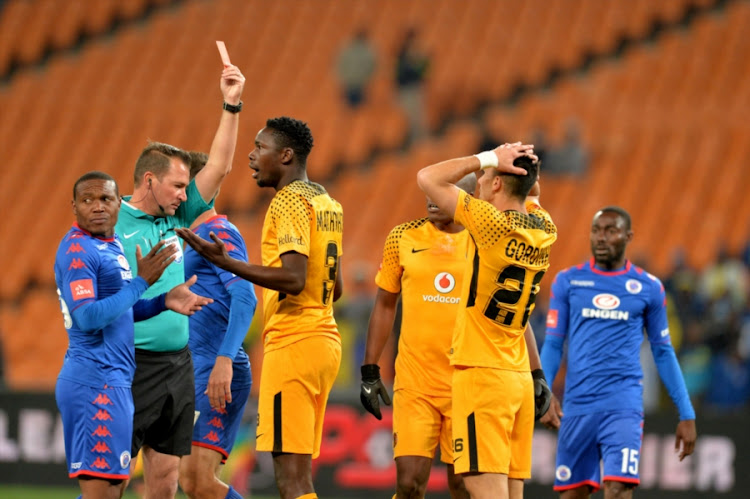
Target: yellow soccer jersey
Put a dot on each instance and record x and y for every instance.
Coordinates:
(305, 219)
(507, 260)
(426, 266)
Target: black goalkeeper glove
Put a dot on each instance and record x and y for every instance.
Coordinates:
(542, 393)
(372, 386)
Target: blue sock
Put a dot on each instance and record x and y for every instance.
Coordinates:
(232, 494)
(80, 497)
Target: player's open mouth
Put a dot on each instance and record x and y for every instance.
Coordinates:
(432, 208)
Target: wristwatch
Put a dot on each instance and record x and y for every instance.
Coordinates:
(231, 108)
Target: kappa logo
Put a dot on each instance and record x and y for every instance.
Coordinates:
(100, 463)
(76, 264)
(222, 235)
(229, 246)
(101, 431)
(102, 399)
(102, 415)
(444, 282)
(216, 423)
(606, 301)
(102, 448)
(219, 410)
(211, 437)
(75, 248)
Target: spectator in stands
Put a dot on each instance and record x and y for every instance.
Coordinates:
(411, 68)
(355, 66)
(570, 158)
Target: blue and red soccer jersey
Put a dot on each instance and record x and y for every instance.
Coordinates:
(219, 329)
(93, 388)
(603, 315)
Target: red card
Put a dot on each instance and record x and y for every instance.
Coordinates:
(223, 52)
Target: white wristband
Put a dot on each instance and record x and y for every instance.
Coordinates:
(487, 159)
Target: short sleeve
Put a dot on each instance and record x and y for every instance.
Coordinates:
(390, 271)
(291, 214)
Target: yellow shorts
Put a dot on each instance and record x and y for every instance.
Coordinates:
(294, 385)
(419, 423)
(493, 421)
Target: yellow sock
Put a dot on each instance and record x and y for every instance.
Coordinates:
(309, 496)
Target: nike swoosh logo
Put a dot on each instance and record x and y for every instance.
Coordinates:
(128, 236)
(367, 389)
(258, 436)
(415, 250)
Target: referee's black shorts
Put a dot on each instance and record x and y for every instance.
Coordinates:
(164, 399)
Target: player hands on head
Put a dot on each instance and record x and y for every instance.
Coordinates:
(603, 401)
(494, 394)
(100, 300)
(301, 274)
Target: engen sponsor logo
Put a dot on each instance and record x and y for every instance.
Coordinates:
(594, 313)
(606, 301)
(605, 304)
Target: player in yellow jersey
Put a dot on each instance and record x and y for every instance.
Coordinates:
(300, 274)
(493, 390)
(423, 262)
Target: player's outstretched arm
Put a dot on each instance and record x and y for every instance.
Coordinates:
(378, 331)
(289, 278)
(221, 154)
(183, 301)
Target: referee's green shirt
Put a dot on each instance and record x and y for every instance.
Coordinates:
(168, 331)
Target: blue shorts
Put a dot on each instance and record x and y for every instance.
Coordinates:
(217, 429)
(613, 438)
(97, 427)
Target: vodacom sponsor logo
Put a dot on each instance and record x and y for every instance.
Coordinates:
(444, 282)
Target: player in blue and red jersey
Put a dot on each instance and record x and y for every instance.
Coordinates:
(602, 308)
(100, 300)
(222, 368)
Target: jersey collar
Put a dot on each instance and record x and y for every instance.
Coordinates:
(106, 239)
(622, 270)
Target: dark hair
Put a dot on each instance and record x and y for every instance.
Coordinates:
(619, 212)
(198, 160)
(155, 159)
(293, 133)
(95, 175)
(518, 186)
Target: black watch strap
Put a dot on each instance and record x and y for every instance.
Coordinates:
(232, 109)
